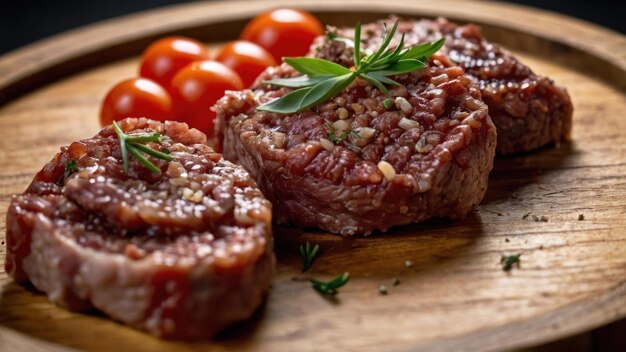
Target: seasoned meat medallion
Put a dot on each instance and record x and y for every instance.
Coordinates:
(362, 162)
(180, 254)
(528, 110)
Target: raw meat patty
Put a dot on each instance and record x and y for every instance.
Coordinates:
(180, 255)
(428, 155)
(529, 110)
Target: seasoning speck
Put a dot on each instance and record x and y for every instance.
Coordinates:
(506, 240)
(544, 218)
(581, 217)
(382, 289)
(408, 263)
(396, 281)
(525, 216)
(535, 218)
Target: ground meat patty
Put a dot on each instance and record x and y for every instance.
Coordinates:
(528, 110)
(180, 255)
(427, 155)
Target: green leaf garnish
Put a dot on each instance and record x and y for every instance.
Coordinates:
(324, 79)
(330, 287)
(132, 144)
(308, 254)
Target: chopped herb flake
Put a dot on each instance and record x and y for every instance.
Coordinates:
(508, 261)
(387, 103)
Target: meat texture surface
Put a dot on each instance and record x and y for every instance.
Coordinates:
(529, 110)
(360, 163)
(180, 255)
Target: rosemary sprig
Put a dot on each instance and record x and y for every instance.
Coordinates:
(324, 79)
(308, 254)
(330, 287)
(132, 144)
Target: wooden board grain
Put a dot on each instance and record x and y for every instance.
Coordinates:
(455, 296)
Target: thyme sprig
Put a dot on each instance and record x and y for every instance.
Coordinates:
(324, 79)
(132, 144)
(330, 287)
(308, 254)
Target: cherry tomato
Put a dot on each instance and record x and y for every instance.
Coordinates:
(197, 87)
(165, 57)
(283, 32)
(245, 58)
(136, 97)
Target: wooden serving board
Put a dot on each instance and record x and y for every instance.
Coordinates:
(455, 296)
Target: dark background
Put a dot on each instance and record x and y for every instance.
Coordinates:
(24, 21)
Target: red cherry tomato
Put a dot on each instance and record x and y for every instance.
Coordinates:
(197, 87)
(245, 58)
(283, 32)
(165, 57)
(136, 97)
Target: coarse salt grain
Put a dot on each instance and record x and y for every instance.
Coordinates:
(327, 144)
(404, 105)
(422, 147)
(357, 107)
(437, 80)
(408, 124)
(341, 125)
(387, 169)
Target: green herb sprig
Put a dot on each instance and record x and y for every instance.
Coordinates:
(132, 144)
(324, 79)
(308, 254)
(330, 287)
